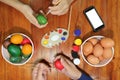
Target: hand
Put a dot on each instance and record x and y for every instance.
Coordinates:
(29, 14)
(40, 72)
(60, 7)
(69, 68)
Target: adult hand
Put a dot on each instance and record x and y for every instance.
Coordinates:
(29, 14)
(69, 68)
(60, 7)
(40, 72)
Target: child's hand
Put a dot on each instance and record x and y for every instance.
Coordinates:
(60, 7)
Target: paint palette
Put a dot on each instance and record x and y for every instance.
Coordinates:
(55, 37)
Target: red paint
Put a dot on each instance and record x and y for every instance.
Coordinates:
(75, 48)
(58, 64)
(25, 41)
(60, 31)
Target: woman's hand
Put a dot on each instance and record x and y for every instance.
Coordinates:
(29, 14)
(40, 72)
(60, 7)
(69, 68)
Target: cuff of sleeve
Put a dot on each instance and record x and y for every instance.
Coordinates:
(85, 77)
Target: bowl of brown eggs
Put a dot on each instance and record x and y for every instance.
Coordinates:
(17, 49)
(97, 51)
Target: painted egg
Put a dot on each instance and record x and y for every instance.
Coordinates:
(16, 39)
(17, 59)
(107, 42)
(14, 50)
(25, 41)
(58, 64)
(27, 49)
(41, 19)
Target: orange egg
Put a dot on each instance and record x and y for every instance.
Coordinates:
(107, 53)
(16, 39)
(98, 50)
(94, 41)
(93, 59)
(27, 49)
(88, 47)
(107, 42)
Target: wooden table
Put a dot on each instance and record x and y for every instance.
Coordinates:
(12, 21)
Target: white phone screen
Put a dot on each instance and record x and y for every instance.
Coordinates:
(94, 18)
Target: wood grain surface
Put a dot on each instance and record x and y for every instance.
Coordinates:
(12, 21)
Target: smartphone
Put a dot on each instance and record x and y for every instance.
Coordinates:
(94, 19)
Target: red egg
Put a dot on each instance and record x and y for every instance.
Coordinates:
(58, 64)
(25, 41)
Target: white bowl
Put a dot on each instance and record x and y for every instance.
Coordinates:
(6, 54)
(102, 63)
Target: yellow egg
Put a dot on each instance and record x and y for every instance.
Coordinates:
(94, 41)
(93, 59)
(27, 49)
(16, 39)
(107, 42)
(107, 53)
(88, 47)
(98, 50)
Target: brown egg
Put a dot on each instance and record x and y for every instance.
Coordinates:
(93, 59)
(98, 50)
(88, 47)
(94, 41)
(107, 42)
(107, 53)
(101, 58)
(86, 54)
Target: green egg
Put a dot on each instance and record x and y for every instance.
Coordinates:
(26, 56)
(14, 50)
(41, 19)
(17, 59)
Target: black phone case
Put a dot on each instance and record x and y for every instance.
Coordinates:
(88, 9)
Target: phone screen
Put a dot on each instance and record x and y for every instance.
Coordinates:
(94, 18)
